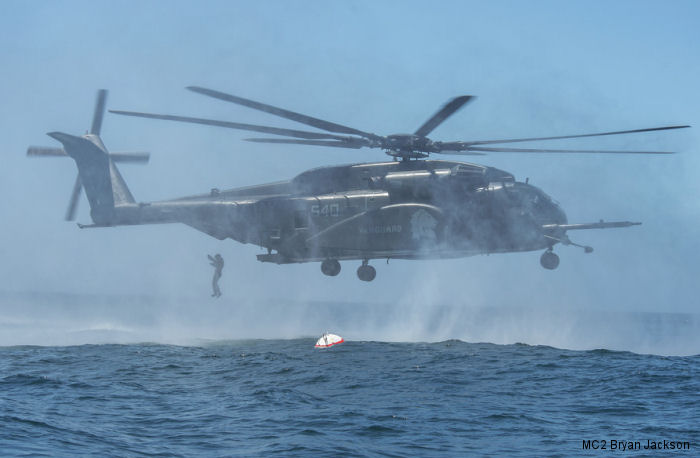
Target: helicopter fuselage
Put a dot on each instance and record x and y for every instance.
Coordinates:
(404, 209)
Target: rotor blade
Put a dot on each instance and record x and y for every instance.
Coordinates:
(45, 151)
(515, 140)
(457, 152)
(232, 125)
(99, 112)
(73, 203)
(133, 157)
(443, 113)
(337, 144)
(539, 150)
(298, 117)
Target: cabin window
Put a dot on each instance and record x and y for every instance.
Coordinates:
(301, 219)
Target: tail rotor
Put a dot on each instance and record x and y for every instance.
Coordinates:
(95, 128)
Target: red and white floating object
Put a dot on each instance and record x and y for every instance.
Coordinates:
(328, 340)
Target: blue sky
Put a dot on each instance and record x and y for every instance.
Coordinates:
(538, 68)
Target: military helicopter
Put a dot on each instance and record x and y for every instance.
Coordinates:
(408, 208)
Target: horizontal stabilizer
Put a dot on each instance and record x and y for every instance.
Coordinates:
(598, 225)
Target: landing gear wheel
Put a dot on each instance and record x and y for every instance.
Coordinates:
(366, 272)
(330, 267)
(549, 260)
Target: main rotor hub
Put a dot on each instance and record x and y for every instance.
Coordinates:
(408, 146)
(409, 142)
(406, 155)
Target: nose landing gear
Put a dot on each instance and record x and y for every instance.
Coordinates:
(330, 267)
(366, 272)
(549, 260)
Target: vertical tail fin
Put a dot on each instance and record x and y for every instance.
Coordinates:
(117, 184)
(104, 185)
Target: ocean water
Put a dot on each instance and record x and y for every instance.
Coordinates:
(360, 398)
(233, 377)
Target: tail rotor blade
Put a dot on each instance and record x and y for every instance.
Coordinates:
(73, 203)
(45, 151)
(99, 112)
(133, 157)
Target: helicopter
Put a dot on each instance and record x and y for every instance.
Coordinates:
(410, 207)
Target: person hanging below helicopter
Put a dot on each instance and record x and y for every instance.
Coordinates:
(218, 262)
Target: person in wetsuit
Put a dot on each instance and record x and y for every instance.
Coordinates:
(218, 262)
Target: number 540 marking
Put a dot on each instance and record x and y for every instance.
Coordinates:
(325, 210)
